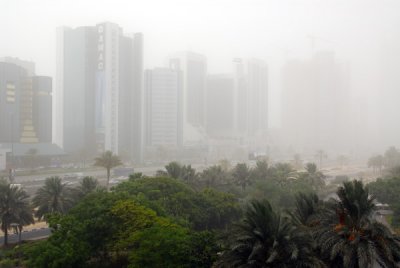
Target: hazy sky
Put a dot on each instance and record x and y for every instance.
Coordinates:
(273, 30)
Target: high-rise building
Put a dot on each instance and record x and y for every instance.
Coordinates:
(99, 90)
(251, 97)
(257, 100)
(163, 118)
(42, 107)
(12, 82)
(315, 104)
(220, 105)
(25, 104)
(194, 71)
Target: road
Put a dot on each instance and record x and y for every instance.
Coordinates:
(33, 182)
(31, 235)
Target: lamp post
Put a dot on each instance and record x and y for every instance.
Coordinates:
(11, 174)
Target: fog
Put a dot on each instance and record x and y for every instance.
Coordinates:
(318, 75)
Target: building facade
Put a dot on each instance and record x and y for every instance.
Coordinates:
(220, 106)
(250, 97)
(99, 81)
(25, 104)
(194, 73)
(163, 119)
(315, 104)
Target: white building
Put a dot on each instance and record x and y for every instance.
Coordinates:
(194, 72)
(163, 107)
(99, 90)
(250, 97)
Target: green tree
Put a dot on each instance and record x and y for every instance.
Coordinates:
(241, 174)
(188, 174)
(392, 157)
(265, 238)
(54, 197)
(261, 170)
(376, 162)
(174, 170)
(306, 210)
(312, 176)
(173, 246)
(108, 160)
(214, 176)
(348, 234)
(86, 186)
(282, 174)
(14, 208)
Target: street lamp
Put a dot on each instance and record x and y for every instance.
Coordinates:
(11, 170)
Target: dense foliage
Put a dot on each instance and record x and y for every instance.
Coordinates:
(260, 216)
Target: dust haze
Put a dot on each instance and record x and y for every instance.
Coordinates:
(215, 80)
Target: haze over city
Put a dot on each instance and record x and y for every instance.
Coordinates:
(359, 32)
(200, 133)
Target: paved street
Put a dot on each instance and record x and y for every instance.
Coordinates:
(31, 235)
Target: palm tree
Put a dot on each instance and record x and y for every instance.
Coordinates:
(307, 207)
(241, 174)
(14, 209)
(350, 236)
(265, 238)
(376, 162)
(214, 175)
(54, 196)
(108, 160)
(261, 170)
(188, 174)
(313, 176)
(282, 174)
(86, 186)
(174, 170)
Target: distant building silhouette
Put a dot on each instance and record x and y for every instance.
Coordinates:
(99, 90)
(163, 87)
(194, 70)
(26, 108)
(315, 104)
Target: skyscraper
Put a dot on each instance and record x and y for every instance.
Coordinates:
(315, 104)
(251, 97)
(99, 90)
(220, 105)
(194, 71)
(42, 107)
(163, 119)
(25, 107)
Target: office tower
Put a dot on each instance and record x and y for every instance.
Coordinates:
(194, 70)
(315, 103)
(220, 106)
(13, 80)
(250, 97)
(99, 90)
(75, 89)
(25, 110)
(257, 89)
(163, 118)
(42, 107)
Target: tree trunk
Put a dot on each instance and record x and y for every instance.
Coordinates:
(5, 236)
(108, 179)
(19, 228)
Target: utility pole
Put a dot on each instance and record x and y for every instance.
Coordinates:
(11, 170)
